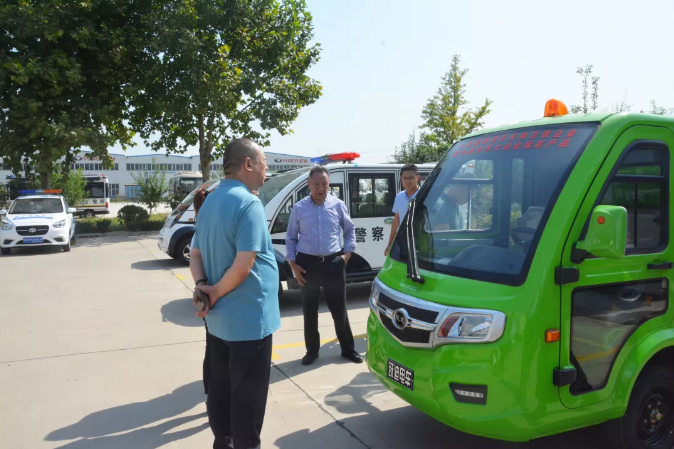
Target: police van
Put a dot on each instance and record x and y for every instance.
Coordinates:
(37, 218)
(367, 190)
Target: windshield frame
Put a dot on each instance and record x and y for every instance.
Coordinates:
(398, 250)
(16, 201)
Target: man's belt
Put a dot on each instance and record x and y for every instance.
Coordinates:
(321, 258)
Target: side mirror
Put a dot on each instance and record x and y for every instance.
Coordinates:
(3, 212)
(72, 210)
(607, 233)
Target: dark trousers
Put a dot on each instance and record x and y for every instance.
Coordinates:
(331, 275)
(237, 390)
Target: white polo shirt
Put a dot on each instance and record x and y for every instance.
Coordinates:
(401, 202)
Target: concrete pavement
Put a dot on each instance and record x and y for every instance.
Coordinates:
(99, 348)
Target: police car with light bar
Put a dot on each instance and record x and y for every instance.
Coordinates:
(37, 218)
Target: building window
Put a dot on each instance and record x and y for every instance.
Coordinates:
(114, 190)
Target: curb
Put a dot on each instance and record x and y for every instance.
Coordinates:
(117, 234)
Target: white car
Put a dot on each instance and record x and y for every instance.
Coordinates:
(37, 218)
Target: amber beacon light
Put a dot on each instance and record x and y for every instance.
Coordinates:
(555, 108)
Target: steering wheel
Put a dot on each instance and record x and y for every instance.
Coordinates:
(522, 241)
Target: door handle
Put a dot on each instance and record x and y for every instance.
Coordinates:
(661, 266)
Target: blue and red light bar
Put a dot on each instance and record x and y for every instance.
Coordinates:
(338, 157)
(38, 192)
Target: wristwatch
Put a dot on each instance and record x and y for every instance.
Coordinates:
(205, 281)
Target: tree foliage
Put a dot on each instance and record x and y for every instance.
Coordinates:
(447, 118)
(590, 99)
(72, 183)
(67, 70)
(659, 110)
(222, 70)
(152, 186)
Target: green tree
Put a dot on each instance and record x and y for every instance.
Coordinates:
(72, 183)
(222, 70)
(4, 197)
(590, 99)
(67, 70)
(415, 151)
(658, 110)
(152, 186)
(446, 116)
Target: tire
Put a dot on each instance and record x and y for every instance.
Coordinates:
(88, 214)
(66, 247)
(5, 251)
(183, 250)
(280, 292)
(645, 424)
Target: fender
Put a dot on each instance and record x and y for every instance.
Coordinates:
(635, 362)
(177, 236)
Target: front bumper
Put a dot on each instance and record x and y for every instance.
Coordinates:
(163, 241)
(53, 237)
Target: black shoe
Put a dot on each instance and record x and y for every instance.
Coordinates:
(353, 356)
(309, 358)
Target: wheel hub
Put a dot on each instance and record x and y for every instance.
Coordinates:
(655, 421)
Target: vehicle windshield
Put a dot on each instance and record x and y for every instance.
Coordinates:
(36, 206)
(95, 189)
(274, 185)
(481, 212)
(189, 199)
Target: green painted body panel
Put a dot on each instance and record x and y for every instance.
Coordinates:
(522, 401)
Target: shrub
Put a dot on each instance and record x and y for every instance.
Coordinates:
(153, 225)
(103, 225)
(133, 217)
(85, 227)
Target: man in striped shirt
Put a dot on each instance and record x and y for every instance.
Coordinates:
(317, 258)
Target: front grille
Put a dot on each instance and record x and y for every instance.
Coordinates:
(407, 335)
(416, 313)
(25, 230)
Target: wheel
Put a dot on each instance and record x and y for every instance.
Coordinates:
(66, 247)
(183, 250)
(88, 214)
(280, 292)
(649, 420)
(5, 251)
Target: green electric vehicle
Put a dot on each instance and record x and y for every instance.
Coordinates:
(527, 290)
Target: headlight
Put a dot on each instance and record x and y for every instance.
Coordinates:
(374, 295)
(59, 224)
(463, 326)
(7, 225)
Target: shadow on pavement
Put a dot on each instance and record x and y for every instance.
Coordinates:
(96, 430)
(157, 265)
(181, 312)
(35, 251)
(407, 427)
(329, 354)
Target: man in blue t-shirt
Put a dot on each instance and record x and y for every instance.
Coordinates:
(232, 262)
(409, 175)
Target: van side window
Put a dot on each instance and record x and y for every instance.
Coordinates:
(372, 195)
(281, 222)
(335, 190)
(640, 186)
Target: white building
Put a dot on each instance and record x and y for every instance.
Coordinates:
(121, 179)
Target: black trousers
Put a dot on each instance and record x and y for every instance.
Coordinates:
(331, 275)
(237, 390)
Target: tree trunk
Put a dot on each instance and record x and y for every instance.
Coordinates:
(204, 154)
(44, 176)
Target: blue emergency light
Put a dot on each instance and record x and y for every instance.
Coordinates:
(343, 157)
(39, 191)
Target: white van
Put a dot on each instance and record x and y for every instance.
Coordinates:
(367, 190)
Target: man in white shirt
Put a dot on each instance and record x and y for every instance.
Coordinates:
(409, 176)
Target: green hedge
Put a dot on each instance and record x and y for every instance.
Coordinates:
(104, 225)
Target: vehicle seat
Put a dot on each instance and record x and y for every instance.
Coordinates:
(531, 218)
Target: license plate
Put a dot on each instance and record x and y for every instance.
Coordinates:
(32, 240)
(400, 374)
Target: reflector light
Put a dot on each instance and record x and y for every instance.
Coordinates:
(601, 220)
(555, 108)
(552, 335)
(343, 157)
(38, 191)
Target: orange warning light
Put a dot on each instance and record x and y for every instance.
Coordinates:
(555, 108)
(552, 335)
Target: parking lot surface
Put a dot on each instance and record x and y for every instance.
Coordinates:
(100, 349)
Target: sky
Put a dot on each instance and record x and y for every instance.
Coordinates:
(382, 60)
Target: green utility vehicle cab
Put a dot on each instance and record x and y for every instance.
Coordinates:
(527, 291)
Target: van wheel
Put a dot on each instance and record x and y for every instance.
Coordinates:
(183, 250)
(649, 420)
(88, 214)
(5, 251)
(280, 292)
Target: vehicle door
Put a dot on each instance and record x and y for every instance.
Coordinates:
(370, 204)
(616, 302)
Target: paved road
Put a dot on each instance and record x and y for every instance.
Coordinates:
(99, 349)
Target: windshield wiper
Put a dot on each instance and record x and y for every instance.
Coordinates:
(412, 263)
